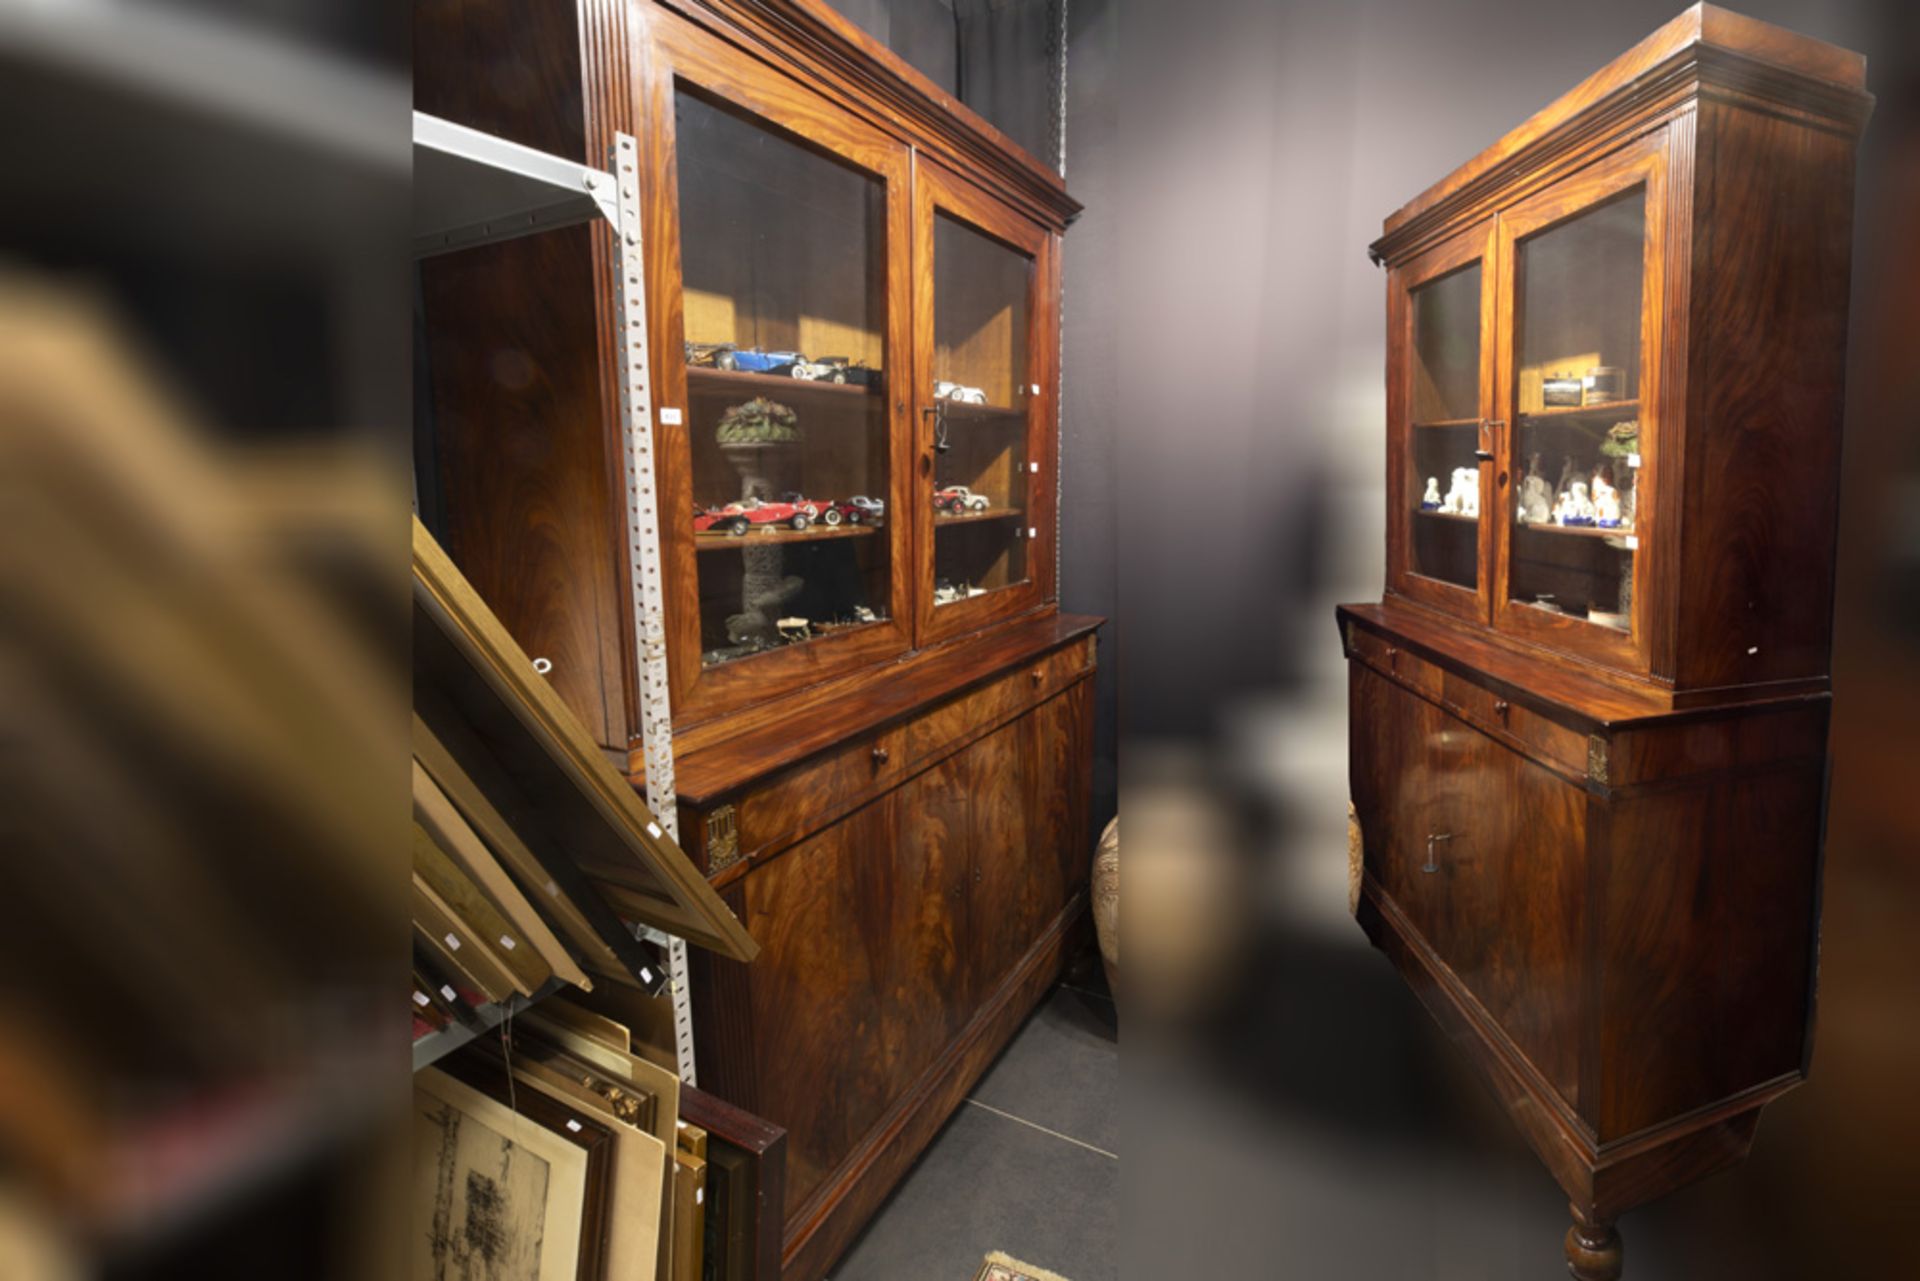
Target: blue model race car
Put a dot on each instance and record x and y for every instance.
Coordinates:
(754, 361)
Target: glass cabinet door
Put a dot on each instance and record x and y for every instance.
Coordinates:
(791, 230)
(1443, 309)
(985, 400)
(1580, 273)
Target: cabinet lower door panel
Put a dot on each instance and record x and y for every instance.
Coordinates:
(1003, 866)
(883, 935)
(929, 992)
(823, 916)
(1484, 853)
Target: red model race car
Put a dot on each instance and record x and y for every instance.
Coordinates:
(738, 518)
(958, 500)
(826, 512)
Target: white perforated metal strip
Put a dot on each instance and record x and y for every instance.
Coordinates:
(643, 556)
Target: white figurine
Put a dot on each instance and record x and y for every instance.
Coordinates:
(1536, 497)
(1430, 501)
(1464, 498)
(1574, 507)
(1536, 501)
(1606, 503)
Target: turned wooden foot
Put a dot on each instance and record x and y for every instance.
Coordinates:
(1593, 1249)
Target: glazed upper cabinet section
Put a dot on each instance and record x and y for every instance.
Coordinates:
(985, 334)
(1580, 270)
(1522, 406)
(788, 236)
(1440, 316)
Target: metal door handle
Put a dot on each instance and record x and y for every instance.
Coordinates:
(1434, 838)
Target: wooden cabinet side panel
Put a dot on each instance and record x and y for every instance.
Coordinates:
(522, 452)
(1772, 256)
(509, 70)
(1706, 947)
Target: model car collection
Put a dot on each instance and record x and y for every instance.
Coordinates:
(782, 364)
(960, 392)
(793, 630)
(790, 511)
(737, 518)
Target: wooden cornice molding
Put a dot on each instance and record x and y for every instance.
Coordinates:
(827, 50)
(1706, 52)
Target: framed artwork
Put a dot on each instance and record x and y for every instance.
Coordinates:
(480, 1067)
(639, 1165)
(496, 1193)
(747, 1177)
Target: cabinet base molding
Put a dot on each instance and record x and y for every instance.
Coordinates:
(822, 1229)
(1604, 1180)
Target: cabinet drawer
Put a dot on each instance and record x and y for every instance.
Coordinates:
(803, 798)
(1401, 664)
(996, 700)
(1550, 740)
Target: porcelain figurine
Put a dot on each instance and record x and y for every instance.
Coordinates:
(1430, 501)
(1536, 496)
(1606, 503)
(1574, 507)
(1464, 498)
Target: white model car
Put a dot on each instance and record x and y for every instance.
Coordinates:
(957, 391)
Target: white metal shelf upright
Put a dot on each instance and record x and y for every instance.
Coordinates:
(472, 188)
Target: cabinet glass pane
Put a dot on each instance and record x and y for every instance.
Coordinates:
(1576, 441)
(1445, 479)
(783, 263)
(980, 393)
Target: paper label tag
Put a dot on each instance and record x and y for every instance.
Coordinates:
(506, 941)
(1633, 460)
(446, 990)
(574, 1126)
(670, 418)
(1633, 542)
(421, 998)
(653, 830)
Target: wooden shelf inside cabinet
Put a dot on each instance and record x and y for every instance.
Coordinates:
(1452, 516)
(770, 536)
(1575, 531)
(1581, 411)
(960, 411)
(1447, 422)
(942, 521)
(702, 381)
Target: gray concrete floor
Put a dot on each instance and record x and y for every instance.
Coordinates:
(1028, 1165)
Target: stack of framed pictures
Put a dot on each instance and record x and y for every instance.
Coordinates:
(532, 855)
(556, 1151)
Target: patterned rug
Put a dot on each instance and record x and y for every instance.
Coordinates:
(1000, 1267)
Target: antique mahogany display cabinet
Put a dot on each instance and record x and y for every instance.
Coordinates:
(1589, 717)
(883, 721)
